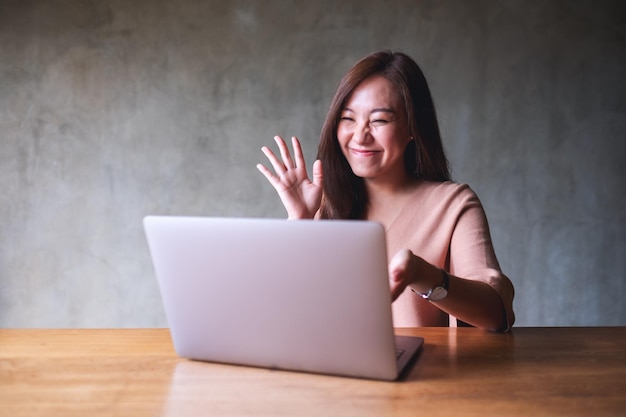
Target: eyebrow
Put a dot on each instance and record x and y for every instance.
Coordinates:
(376, 110)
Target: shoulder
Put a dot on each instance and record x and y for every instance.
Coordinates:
(449, 199)
(447, 190)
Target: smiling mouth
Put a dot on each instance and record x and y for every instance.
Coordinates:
(363, 152)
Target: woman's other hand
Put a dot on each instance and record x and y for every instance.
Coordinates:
(409, 270)
(300, 196)
(402, 270)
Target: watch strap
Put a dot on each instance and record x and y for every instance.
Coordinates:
(445, 284)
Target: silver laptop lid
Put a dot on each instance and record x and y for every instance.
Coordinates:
(299, 295)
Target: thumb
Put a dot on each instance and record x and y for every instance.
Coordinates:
(317, 172)
(400, 260)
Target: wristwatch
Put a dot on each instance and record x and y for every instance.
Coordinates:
(439, 292)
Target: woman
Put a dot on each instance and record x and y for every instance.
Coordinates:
(380, 158)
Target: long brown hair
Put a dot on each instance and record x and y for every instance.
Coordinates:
(344, 193)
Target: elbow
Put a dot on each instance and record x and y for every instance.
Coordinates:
(500, 323)
(495, 321)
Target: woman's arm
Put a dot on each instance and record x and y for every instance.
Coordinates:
(471, 301)
(479, 294)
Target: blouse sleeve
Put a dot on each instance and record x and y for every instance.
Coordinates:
(471, 250)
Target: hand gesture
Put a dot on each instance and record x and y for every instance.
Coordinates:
(402, 270)
(300, 196)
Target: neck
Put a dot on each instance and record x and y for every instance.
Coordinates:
(385, 200)
(385, 190)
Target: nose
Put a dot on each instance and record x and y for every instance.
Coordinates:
(361, 134)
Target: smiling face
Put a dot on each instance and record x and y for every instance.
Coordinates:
(373, 132)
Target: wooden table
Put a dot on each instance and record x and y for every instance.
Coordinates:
(460, 372)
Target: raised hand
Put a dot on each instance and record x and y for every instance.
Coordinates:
(300, 196)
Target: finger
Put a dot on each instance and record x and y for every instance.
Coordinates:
(317, 173)
(284, 152)
(397, 266)
(268, 174)
(297, 153)
(396, 280)
(396, 288)
(279, 168)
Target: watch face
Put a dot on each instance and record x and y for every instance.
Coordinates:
(438, 293)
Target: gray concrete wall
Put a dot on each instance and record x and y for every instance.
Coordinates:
(111, 110)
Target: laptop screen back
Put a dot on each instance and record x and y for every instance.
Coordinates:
(299, 295)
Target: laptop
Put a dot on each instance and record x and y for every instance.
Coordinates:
(306, 295)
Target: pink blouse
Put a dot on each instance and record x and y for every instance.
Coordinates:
(446, 226)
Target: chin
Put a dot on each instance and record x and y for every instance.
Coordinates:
(363, 174)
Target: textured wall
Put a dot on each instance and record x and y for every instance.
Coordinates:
(110, 110)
